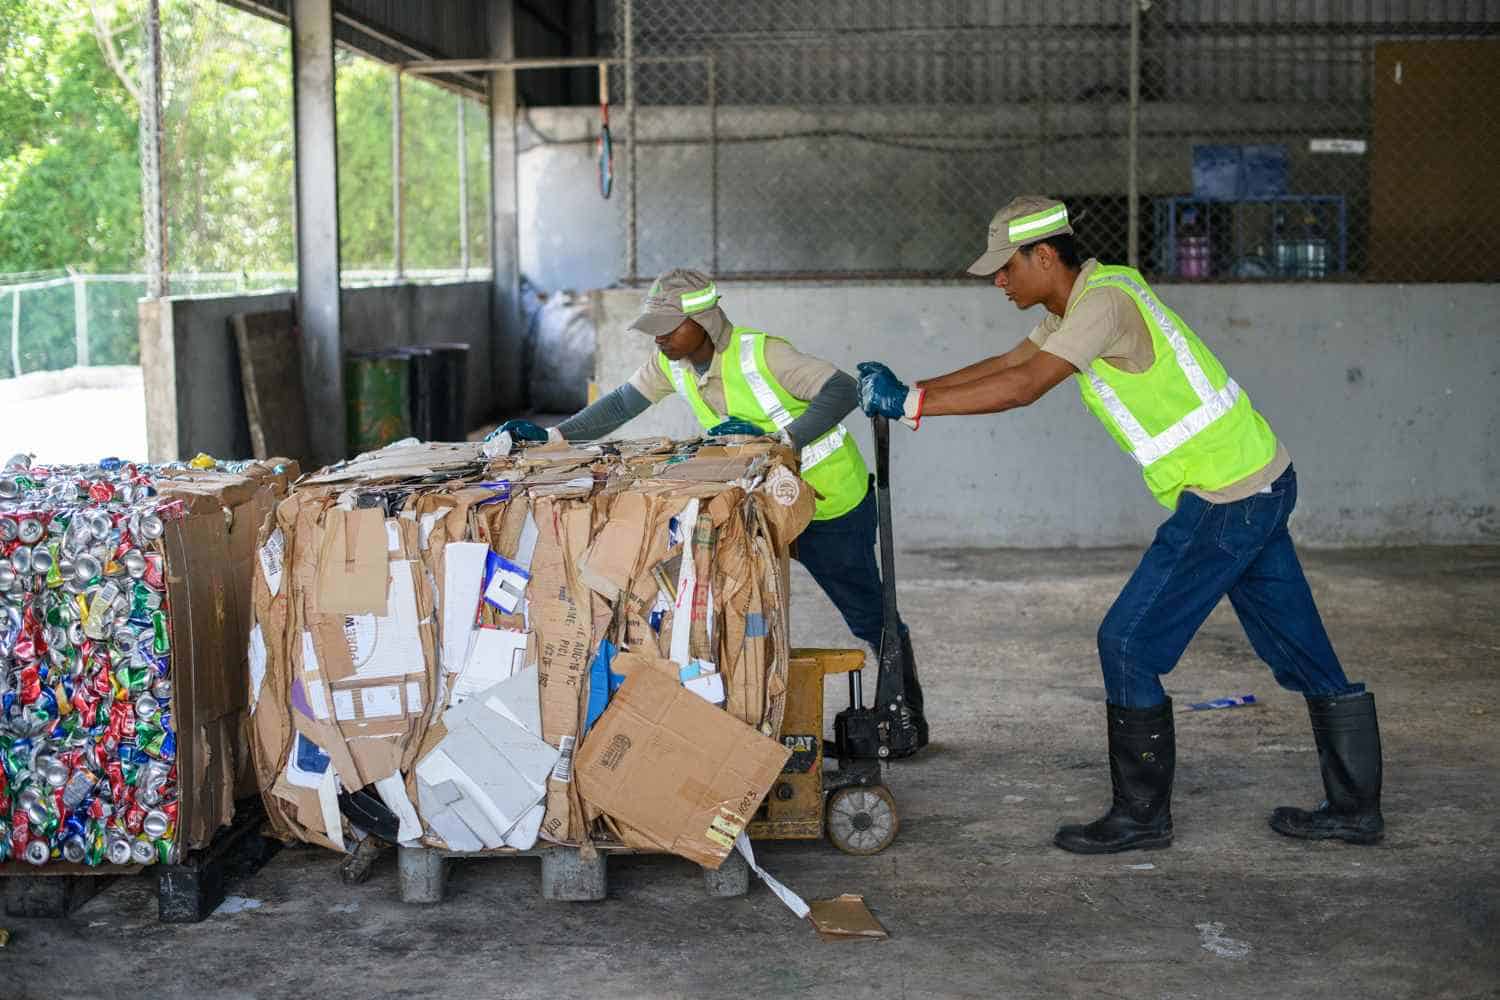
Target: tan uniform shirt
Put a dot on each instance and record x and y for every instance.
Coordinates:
(799, 374)
(1108, 326)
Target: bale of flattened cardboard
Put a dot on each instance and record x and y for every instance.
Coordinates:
(208, 554)
(439, 630)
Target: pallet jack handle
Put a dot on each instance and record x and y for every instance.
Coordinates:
(890, 690)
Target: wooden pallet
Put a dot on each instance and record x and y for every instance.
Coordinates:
(186, 892)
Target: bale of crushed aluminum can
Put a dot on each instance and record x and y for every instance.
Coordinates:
(88, 719)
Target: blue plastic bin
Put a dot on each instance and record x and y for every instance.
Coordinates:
(1263, 171)
(1216, 172)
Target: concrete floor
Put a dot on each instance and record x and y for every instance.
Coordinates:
(979, 904)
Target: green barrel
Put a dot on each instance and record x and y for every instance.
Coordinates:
(377, 386)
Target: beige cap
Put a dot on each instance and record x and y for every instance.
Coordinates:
(1025, 220)
(674, 296)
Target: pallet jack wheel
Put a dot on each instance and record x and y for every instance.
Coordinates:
(862, 819)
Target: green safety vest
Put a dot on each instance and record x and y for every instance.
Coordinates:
(832, 464)
(1184, 419)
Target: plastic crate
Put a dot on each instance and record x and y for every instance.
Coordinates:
(1263, 171)
(1217, 172)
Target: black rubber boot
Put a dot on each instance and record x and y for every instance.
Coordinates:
(1142, 758)
(1348, 738)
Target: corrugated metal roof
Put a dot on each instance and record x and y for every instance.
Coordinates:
(395, 31)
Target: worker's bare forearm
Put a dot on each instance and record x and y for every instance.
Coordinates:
(994, 393)
(1018, 355)
(1004, 390)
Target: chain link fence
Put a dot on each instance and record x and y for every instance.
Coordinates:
(1200, 139)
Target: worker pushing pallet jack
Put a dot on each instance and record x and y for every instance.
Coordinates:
(739, 380)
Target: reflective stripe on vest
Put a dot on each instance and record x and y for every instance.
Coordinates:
(679, 373)
(1145, 447)
(778, 415)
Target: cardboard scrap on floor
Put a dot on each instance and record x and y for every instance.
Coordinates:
(845, 918)
(429, 622)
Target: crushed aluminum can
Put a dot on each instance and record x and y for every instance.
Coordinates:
(142, 851)
(37, 852)
(119, 851)
(54, 771)
(156, 824)
(86, 567)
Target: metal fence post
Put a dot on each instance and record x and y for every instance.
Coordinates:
(80, 318)
(1132, 157)
(15, 333)
(713, 163)
(397, 171)
(627, 9)
(154, 212)
(463, 189)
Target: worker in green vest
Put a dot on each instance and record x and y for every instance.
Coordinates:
(741, 381)
(1208, 457)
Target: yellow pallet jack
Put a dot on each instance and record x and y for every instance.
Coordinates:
(850, 802)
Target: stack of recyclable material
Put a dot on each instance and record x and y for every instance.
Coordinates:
(439, 633)
(88, 734)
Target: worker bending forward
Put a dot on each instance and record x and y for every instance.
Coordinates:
(1208, 457)
(742, 381)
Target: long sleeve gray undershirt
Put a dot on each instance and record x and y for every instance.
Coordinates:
(605, 415)
(839, 395)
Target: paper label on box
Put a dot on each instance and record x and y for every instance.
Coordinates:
(413, 697)
(271, 557)
(343, 705)
(563, 771)
(728, 823)
(380, 702)
(392, 535)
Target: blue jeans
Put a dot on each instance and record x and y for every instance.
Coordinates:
(840, 555)
(1202, 552)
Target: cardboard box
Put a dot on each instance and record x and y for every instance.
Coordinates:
(208, 573)
(676, 769)
(525, 568)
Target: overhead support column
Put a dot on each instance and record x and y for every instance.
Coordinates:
(318, 226)
(508, 330)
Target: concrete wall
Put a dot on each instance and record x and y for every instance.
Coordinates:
(193, 397)
(1384, 394)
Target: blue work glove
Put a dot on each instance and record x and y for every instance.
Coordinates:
(519, 430)
(734, 425)
(881, 392)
